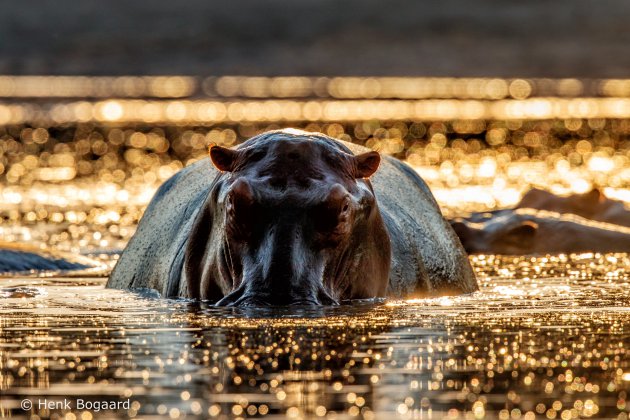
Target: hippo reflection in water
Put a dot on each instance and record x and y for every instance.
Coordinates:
(291, 217)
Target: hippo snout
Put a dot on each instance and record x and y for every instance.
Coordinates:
(252, 298)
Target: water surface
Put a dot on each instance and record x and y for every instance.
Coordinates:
(545, 337)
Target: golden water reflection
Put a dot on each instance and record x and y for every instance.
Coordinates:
(545, 337)
(84, 186)
(205, 112)
(304, 87)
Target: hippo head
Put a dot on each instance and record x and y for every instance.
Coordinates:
(291, 219)
(589, 204)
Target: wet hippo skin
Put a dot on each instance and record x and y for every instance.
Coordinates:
(291, 217)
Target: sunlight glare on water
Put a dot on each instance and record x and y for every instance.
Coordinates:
(543, 336)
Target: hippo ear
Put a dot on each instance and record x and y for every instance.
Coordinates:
(594, 196)
(532, 198)
(366, 164)
(461, 229)
(223, 158)
(463, 232)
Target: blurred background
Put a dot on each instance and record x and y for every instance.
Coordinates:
(490, 38)
(100, 102)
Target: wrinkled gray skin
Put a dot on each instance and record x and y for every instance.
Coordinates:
(530, 231)
(425, 256)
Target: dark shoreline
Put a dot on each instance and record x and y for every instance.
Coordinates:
(577, 38)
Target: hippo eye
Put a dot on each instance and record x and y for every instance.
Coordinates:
(240, 211)
(332, 217)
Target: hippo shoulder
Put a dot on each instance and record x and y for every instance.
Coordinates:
(427, 256)
(162, 233)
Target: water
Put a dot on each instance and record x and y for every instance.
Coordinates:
(545, 337)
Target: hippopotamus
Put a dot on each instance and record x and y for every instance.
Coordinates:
(531, 231)
(289, 218)
(19, 257)
(590, 205)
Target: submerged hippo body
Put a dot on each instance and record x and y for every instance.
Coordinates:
(19, 258)
(530, 231)
(292, 218)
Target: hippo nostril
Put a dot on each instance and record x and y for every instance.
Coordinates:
(243, 297)
(326, 299)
